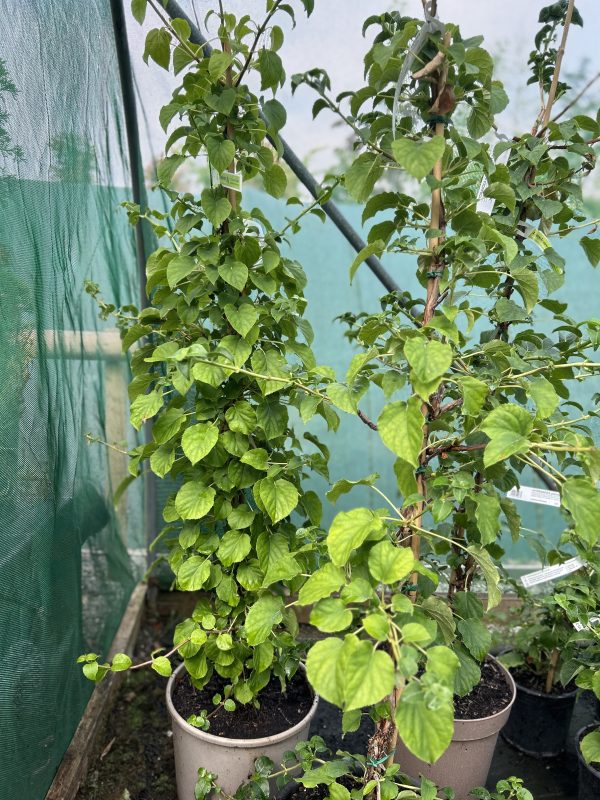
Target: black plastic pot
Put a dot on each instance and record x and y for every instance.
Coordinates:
(589, 777)
(539, 723)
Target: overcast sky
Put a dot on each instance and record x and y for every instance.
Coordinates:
(331, 38)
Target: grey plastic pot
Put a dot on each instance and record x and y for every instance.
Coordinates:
(231, 759)
(466, 762)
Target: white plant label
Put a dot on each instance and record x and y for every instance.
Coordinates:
(232, 180)
(486, 204)
(579, 626)
(529, 494)
(551, 573)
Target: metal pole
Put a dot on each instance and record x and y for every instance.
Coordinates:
(143, 234)
(174, 10)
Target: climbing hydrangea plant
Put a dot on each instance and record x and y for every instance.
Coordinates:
(220, 356)
(477, 388)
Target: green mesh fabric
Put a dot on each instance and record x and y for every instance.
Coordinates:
(68, 559)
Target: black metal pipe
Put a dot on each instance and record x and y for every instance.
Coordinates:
(143, 233)
(174, 10)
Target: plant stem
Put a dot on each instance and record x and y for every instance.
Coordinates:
(559, 57)
(552, 670)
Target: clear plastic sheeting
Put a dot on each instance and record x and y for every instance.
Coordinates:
(68, 558)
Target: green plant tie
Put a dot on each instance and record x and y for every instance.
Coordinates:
(410, 587)
(435, 118)
(376, 762)
(421, 470)
(434, 274)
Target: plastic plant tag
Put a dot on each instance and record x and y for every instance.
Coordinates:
(592, 622)
(537, 237)
(232, 180)
(486, 204)
(529, 494)
(551, 573)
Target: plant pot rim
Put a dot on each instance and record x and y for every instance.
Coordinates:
(537, 693)
(225, 741)
(578, 737)
(470, 729)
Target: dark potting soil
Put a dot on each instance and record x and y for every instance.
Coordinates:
(529, 680)
(490, 696)
(278, 710)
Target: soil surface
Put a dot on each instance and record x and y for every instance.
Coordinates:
(529, 680)
(490, 696)
(278, 710)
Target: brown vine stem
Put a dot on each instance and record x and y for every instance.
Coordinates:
(552, 670)
(559, 57)
(433, 291)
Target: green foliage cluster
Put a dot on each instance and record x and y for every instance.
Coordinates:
(476, 389)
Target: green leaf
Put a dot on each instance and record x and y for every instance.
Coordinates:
(193, 573)
(234, 547)
(138, 10)
(220, 151)
(377, 625)
(429, 359)
(275, 114)
(279, 497)
(162, 460)
(527, 286)
(343, 486)
(194, 500)
(218, 63)
(544, 395)
(590, 747)
(479, 121)
(145, 406)
(162, 665)
(242, 318)
(257, 457)
(158, 47)
(503, 193)
(179, 268)
(270, 67)
(262, 617)
(468, 673)
(235, 273)
(275, 558)
(476, 637)
(241, 417)
(275, 180)
(509, 246)
(349, 530)
(474, 394)
(425, 727)
(400, 427)
(216, 207)
(374, 248)
(508, 427)
(418, 158)
(120, 662)
(487, 514)
(322, 583)
(198, 440)
(362, 176)
(490, 574)
(331, 615)
(591, 247)
(389, 563)
(349, 673)
(581, 497)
